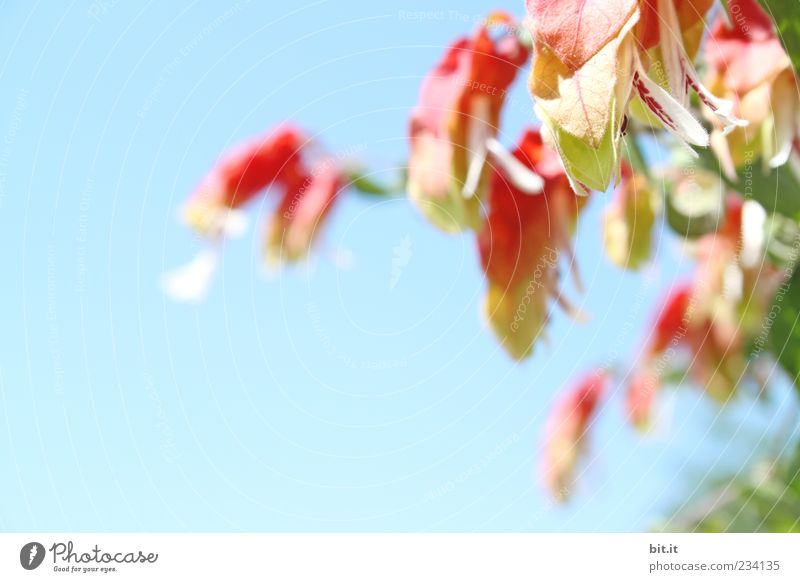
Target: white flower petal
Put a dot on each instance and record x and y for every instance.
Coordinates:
(191, 282)
(671, 44)
(672, 114)
(721, 108)
(753, 238)
(518, 173)
(723, 152)
(785, 113)
(479, 131)
(732, 282)
(233, 224)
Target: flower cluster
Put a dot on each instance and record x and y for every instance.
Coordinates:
(749, 66)
(596, 61)
(600, 70)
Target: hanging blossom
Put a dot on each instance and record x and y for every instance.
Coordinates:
(716, 316)
(281, 161)
(302, 211)
(214, 208)
(522, 243)
(593, 60)
(629, 219)
(453, 127)
(567, 429)
(749, 66)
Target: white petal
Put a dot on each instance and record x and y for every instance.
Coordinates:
(672, 114)
(721, 108)
(732, 282)
(672, 50)
(723, 152)
(479, 132)
(233, 224)
(518, 173)
(753, 218)
(191, 282)
(785, 119)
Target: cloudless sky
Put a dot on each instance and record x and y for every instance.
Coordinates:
(326, 397)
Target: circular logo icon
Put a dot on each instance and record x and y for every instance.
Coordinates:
(31, 555)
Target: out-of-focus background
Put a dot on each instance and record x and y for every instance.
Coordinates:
(347, 394)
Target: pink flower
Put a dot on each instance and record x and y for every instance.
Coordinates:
(301, 214)
(567, 432)
(457, 117)
(749, 66)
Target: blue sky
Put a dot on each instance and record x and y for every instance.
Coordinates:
(320, 398)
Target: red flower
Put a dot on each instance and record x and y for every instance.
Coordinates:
(240, 174)
(670, 328)
(278, 161)
(715, 316)
(458, 113)
(567, 432)
(301, 213)
(521, 245)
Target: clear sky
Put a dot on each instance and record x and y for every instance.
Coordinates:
(327, 397)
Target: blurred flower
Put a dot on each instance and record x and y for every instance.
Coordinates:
(668, 332)
(278, 161)
(239, 175)
(457, 115)
(567, 432)
(716, 316)
(628, 221)
(749, 66)
(521, 245)
(591, 59)
(300, 214)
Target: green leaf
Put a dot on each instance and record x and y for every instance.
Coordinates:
(784, 13)
(783, 325)
(776, 189)
(762, 499)
(363, 184)
(695, 207)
